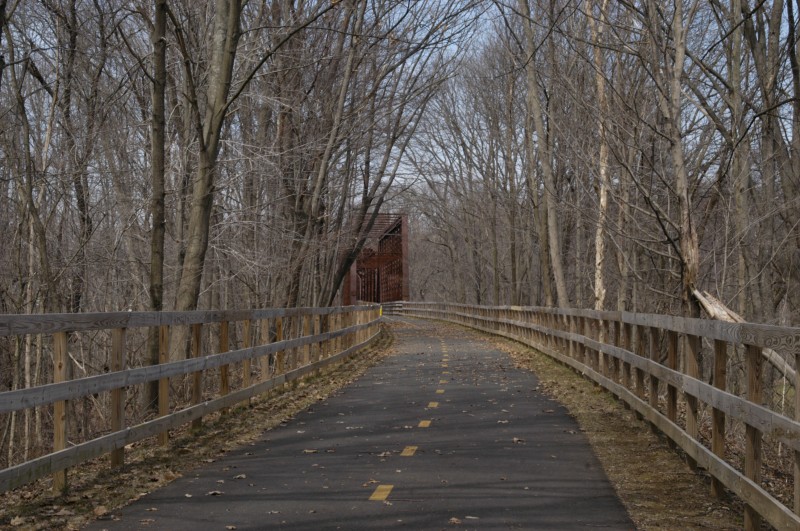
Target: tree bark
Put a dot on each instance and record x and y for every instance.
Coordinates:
(225, 39)
(157, 161)
(603, 180)
(550, 195)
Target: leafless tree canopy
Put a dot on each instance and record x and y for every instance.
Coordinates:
(616, 155)
(182, 154)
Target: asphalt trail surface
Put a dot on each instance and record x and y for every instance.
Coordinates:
(445, 434)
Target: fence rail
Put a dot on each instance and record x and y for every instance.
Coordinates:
(320, 336)
(653, 364)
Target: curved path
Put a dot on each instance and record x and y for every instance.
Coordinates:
(446, 434)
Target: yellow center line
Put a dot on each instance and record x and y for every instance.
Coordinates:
(442, 381)
(433, 404)
(424, 424)
(445, 372)
(381, 493)
(408, 451)
(440, 391)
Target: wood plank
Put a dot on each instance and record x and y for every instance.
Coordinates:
(50, 393)
(13, 324)
(118, 337)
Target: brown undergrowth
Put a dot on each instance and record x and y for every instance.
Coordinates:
(97, 491)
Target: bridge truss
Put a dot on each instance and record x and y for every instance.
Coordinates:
(380, 274)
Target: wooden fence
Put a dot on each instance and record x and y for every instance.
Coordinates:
(292, 343)
(654, 364)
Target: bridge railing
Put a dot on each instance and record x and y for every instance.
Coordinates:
(272, 347)
(661, 366)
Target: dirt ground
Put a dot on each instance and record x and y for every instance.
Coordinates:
(658, 489)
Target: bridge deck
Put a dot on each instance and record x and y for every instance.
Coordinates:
(445, 434)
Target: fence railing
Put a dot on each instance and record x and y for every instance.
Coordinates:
(275, 346)
(661, 366)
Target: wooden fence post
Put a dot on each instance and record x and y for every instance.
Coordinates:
(265, 339)
(224, 377)
(247, 364)
(306, 333)
(672, 363)
(163, 383)
(602, 337)
(60, 368)
(652, 339)
(752, 458)
(118, 395)
(692, 369)
(316, 351)
(591, 355)
(637, 338)
(797, 452)
(717, 416)
(197, 376)
(281, 355)
(624, 342)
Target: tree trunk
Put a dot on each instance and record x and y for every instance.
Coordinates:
(690, 249)
(157, 155)
(225, 40)
(550, 194)
(603, 181)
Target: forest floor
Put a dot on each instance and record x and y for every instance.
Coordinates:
(652, 480)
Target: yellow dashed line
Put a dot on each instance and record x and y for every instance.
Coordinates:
(408, 451)
(445, 372)
(440, 391)
(442, 381)
(424, 424)
(433, 404)
(381, 493)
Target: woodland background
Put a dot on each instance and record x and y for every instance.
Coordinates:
(220, 154)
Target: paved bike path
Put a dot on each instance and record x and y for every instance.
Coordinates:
(446, 434)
